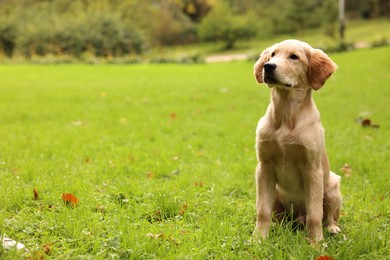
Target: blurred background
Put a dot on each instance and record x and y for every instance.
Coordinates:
(182, 30)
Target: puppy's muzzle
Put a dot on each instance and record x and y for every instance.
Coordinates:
(269, 73)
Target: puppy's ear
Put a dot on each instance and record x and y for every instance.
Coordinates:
(321, 68)
(265, 56)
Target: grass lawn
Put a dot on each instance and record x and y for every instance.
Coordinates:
(162, 159)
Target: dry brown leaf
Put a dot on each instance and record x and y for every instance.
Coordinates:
(86, 160)
(198, 184)
(70, 199)
(150, 175)
(35, 193)
(366, 122)
(347, 170)
(47, 248)
(183, 209)
(324, 257)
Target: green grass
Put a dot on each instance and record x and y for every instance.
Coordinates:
(161, 158)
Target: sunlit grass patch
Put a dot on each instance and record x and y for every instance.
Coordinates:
(161, 159)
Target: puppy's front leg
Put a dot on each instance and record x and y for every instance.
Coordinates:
(265, 198)
(313, 186)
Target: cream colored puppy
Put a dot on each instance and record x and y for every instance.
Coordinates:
(292, 175)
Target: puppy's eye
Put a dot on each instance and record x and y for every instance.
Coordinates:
(273, 54)
(294, 57)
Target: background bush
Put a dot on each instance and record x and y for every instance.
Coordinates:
(105, 28)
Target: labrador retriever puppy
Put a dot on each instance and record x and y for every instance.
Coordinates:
(292, 175)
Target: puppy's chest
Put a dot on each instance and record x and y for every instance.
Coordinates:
(286, 150)
(282, 153)
(288, 162)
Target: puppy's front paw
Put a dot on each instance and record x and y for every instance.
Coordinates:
(334, 229)
(257, 237)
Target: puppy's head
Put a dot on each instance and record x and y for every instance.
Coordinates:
(293, 63)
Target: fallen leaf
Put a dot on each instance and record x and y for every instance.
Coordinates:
(131, 158)
(324, 257)
(37, 255)
(150, 175)
(35, 193)
(155, 217)
(47, 248)
(86, 160)
(70, 199)
(347, 170)
(198, 184)
(172, 239)
(366, 122)
(183, 209)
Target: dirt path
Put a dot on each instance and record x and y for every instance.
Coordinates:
(226, 57)
(243, 56)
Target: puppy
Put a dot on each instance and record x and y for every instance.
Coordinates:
(292, 175)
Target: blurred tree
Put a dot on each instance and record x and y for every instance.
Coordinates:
(330, 17)
(171, 25)
(7, 36)
(222, 24)
(196, 9)
(367, 8)
(299, 13)
(120, 27)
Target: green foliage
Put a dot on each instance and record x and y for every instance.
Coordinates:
(222, 25)
(70, 29)
(105, 28)
(329, 14)
(368, 9)
(172, 26)
(196, 9)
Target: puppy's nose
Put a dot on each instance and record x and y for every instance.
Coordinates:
(270, 66)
